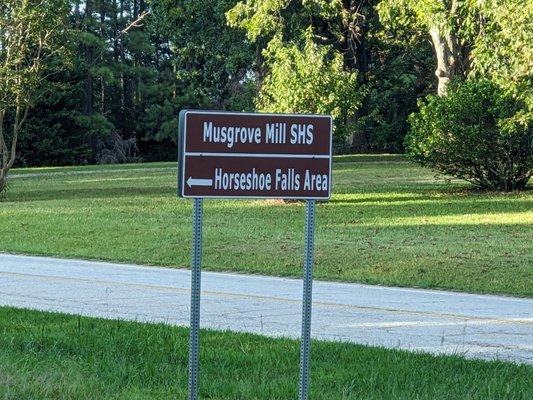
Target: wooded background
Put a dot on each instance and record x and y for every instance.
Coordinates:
(132, 65)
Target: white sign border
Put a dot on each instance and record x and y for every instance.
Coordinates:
(182, 157)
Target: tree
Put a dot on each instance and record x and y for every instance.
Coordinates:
(314, 52)
(316, 83)
(30, 36)
(473, 133)
(486, 38)
(389, 63)
(185, 56)
(339, 24)
(451, 24)
(400, 72)
(503, 51)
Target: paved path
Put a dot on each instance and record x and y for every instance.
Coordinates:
(433, 321)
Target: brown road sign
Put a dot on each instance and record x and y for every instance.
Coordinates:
(252, 155)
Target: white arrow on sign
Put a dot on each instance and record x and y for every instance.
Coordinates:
(199, 182)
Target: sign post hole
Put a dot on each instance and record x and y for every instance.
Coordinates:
(249, 156)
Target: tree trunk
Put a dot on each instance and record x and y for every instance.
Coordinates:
(348, 42)
(9, 153)
(353, 46)
(122, 61)
(2, 183)
(87, 107)
(447, 53)
(102, 59)
(452, 56)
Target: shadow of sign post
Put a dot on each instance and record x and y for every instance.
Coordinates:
(229, 155)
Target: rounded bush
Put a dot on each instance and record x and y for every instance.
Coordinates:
(478, 132)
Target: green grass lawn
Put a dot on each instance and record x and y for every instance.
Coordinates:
(388, 222)
(55, 356)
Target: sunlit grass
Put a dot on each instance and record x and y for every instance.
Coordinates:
(388, 222)
(54, 356)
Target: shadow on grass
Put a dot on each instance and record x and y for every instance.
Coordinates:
(88, 193)
(393, 199)
(342, 210)
(449, 198)
(370, 158)
(422, 192)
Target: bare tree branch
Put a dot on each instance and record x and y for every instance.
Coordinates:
(135, 24)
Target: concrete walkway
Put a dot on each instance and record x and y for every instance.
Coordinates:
(477, 326)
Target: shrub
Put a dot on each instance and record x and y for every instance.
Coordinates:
(478, 132)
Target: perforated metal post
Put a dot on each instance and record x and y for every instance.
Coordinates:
(194, 337)
(305, 349)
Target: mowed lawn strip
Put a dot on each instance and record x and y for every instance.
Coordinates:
(55, 356)
(388, 222)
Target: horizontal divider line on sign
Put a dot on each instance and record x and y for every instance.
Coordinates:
(256, 155)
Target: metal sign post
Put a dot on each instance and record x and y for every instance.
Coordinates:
(194, 343)
(305, 348)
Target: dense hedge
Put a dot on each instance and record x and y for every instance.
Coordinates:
(478, 132)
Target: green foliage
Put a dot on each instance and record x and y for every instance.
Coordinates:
(498, 32)
(384, 68)
(478, 132)
(209, 57)
(210, 63)
(367, 63)
(30, 34)
(257, 17)
(309, 80)
(286, 19)
(53, 133)
(444, 15)
(299, 74)
(401, 72)
(505, 52)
